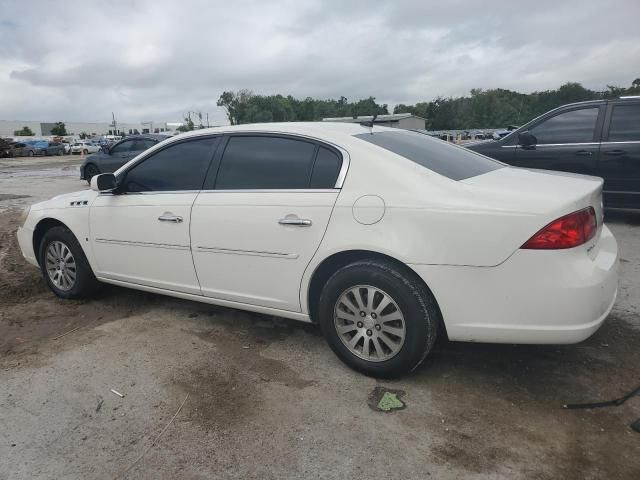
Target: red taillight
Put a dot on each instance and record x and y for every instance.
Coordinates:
(566, 232)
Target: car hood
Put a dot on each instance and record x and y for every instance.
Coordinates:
(64, 200)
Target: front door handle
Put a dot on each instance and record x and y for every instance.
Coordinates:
(615, 152)
(170, 217)
(295, 221)
(584, 153)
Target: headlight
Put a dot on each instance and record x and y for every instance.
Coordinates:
(24, 215)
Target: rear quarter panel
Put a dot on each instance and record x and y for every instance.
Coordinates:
(429, 219)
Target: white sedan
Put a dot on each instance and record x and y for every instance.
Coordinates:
(386, 238)
(84, 148)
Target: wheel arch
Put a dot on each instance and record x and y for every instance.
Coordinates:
(41, 228)
(332, 263)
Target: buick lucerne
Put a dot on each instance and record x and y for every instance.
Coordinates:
(386, 238)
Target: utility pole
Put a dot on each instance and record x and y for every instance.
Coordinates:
(114, 124)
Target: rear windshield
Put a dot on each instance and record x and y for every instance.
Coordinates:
(454, 162)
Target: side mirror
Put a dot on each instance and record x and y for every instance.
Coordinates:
(527, 140)
(104, 182)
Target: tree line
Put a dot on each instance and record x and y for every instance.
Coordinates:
(481, 109)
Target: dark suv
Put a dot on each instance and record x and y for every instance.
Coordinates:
(112, 158)
(600, 137)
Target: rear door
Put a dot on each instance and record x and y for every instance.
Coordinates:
(568, 141)
(141, 234)
(256, 228)
(620, 155)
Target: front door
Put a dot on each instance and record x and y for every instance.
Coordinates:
(140, 234)
(620, 155)
(567, 141)
(257, 228)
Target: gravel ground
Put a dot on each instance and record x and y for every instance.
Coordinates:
(217, 393)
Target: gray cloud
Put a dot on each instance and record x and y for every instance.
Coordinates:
(153, 59)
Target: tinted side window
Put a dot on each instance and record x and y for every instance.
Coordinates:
(326, 169)
(454, 162)
(625, 123)
(575, 126)
(141, 144)
(182, 166)
(263, 162)
(122, 147)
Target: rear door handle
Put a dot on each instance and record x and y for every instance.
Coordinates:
(293, 220)
(170, 217)
(584, 153)
(615, 152)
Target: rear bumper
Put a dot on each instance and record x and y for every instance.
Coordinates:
(536, 296)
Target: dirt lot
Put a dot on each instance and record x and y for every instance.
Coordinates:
(217, 393)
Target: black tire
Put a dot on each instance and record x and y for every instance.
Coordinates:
(415, 301)
(85, 152)
(60, 152)
(85, 283)
(30, 154)
(90, 171)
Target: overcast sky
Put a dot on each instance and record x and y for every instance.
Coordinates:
(154, 60)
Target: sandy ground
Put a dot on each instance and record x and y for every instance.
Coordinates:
(218, 393)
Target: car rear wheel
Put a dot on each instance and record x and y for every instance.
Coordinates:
(379, 318)
(30, 153)
(59, 153)
(90, 171)
(85, 151)
(64, 265)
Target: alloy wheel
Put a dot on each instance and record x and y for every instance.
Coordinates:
(60, 265)
(369, 323)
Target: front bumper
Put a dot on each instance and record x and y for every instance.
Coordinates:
(25, 240)
(536, 296)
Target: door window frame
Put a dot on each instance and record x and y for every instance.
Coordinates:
(151, 152)
(609, 116)
(214, 169)
(597, 129)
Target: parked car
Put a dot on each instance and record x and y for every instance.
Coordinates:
(84, 147)
(384, 237)
(596, 138)
(51, 148)
(21, 149)
(110, 158)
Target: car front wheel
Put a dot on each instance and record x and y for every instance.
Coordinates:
(64, 265)
(90, 171)
(379, 318)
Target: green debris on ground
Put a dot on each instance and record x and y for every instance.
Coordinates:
(389, 401)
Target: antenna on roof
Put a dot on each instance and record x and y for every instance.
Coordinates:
(369, 123)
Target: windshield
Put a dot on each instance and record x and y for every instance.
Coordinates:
(449, 160)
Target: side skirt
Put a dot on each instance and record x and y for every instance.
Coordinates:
(302, 317)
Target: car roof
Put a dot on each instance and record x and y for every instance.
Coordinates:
(151, 136)
(321, 130)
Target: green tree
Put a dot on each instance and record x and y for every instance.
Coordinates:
(244, 106)
(83, 135)
(59, 129)
(235, 104)
(187, 126)
(25, 132)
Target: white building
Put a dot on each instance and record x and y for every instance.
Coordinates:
(43, 129)
(406, 121)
